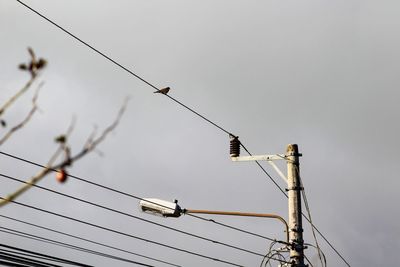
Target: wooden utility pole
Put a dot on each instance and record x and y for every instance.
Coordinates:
(295, 214)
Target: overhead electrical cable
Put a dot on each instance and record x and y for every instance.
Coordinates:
(136, 197)
(127, 234)
(13, 264)
(154, 87)
(24, 261)
(264, 170)
(28, 256)
(133, 216)
(89, 241)
(309, 262)
(320, 251)
(234, 228)
(310, 219)
(66, 245)
(27, 253)
(121, 66)
(17, 253)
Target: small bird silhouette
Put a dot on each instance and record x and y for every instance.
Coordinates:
(163, 91)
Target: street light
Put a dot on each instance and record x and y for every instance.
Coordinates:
(160, 207)
(172, 209)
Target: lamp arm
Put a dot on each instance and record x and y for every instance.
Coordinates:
(244, 214)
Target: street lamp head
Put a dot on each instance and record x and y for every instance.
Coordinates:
(160, 207)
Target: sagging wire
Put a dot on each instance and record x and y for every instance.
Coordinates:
(309, 262)
(136, 197)
(66, 245)
(107, 229)
(321, 256)
(275, 253)
(89, 240)
(324, 262)
(132, 216)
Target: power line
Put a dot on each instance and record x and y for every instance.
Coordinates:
(134, 196)
(66, 245)
(26, 261)
(88, 240)
(126, 234)
(26, 252)
(57, 243)
(135, 217)
(309, 215)
(309, 219)
(322, 254)
(36, 257)
(115, 231)
(264, 171)
(153, 86)
(121, 66)
(234, 228)
(13, 264)
(46, 240)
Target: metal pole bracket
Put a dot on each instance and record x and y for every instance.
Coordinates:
(260, 158)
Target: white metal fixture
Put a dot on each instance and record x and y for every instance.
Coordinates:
(160, 207)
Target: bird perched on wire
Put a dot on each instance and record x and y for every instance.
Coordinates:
(163, 91)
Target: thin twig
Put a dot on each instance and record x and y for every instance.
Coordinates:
(91, 136)
(33, 67)
(17, 95)
(110, 128)
(26, 119)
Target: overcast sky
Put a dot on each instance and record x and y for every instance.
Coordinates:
(321, 74)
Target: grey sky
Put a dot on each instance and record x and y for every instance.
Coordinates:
(321, 74)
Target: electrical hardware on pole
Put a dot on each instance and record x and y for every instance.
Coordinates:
(296, 242)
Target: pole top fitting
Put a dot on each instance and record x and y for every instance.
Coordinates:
(293, 150)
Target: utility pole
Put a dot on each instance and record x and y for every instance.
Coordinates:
(295, 214)
(296, 242)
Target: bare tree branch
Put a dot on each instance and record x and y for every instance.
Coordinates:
(26, 119)
(33, 67)
(10, 101)
(90, 145)
(110, 128)
(91, 136)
